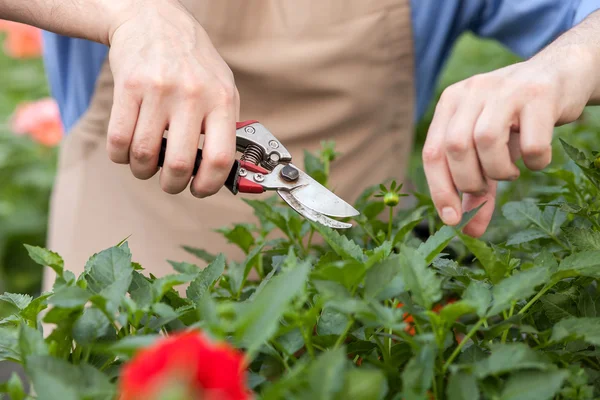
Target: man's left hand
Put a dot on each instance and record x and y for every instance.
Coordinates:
(484, 124)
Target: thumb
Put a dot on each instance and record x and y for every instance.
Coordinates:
(478, 225)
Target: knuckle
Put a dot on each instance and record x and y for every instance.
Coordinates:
(219, 161)
(179, 166)
(133, 83)
(117, 140)
(141, 153)
(227, 95)
(485, 137)
(192, 91)
(431, 154)
(457, 145)
(160, 84)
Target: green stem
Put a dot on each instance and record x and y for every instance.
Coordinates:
(510, 314)
(559, 242)
(536, 297)
(308, 343)
(435, 388)
(390, 223)
(462, 344)
(310, 236)
(342, 337)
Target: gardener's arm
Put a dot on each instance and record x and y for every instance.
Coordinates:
(483, 124)
(166, 72)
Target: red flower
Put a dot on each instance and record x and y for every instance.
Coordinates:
(40, 119)
(22, 41)
(187, 366)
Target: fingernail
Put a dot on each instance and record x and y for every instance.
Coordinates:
(449, 215)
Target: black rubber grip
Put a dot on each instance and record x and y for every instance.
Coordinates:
(232, 180)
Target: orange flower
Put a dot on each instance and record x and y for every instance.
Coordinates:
(40, 119)
(22, 41)
(187, 366)
(410, 321)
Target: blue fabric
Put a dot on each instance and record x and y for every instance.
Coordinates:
(524, 26)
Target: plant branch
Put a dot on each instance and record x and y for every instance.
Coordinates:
(462, 344)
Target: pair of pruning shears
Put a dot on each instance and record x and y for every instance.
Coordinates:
(266, 165)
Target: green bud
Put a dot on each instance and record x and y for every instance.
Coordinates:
(391, 199)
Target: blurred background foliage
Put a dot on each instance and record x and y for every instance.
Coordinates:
(27, 166)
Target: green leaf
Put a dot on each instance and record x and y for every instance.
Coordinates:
(53, 379)
(523, 211)
(238, 273)
(206, 278)
(530, 385)
(14, 387)
(326, 374)
(32, 311)
(315, 167)
(364, 384)
(586, 305)
(553, 218)
(452, 312)
(46, 258)
(384, 280)
(240, 235)
(331, 322)
(341, 245)
(21, 301)
(408, 224)
(555, 308)
(583, 239)
(517, 287)
(347, 272)
(509, 357)
(258, 320)
(140, 290)
(165, 283)
(185, 268)
(91, 325)
(479, 295)
(200, 253)
(570, 329)
(436, 243)
(69, 297)
(129, 345)
(525, 236)
(419, 372)
(419, 279)
(31, 342)
(462, 386)
(586, 263)
(109, 274)
(9, 345)
(494, 269)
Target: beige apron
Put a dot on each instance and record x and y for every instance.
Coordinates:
(309, 70)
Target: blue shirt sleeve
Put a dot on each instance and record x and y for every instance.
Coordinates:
(524, 26)
(72, 66)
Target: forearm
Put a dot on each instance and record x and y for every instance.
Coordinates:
(89, 19)
(576, 55)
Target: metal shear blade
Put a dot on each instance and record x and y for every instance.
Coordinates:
(309, 193)
(309, 214)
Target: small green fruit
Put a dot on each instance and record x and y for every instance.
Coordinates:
(597, 162)
(391, 199)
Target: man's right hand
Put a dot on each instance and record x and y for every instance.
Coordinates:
(167, 73)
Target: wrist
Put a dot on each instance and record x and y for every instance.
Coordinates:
(573, 68)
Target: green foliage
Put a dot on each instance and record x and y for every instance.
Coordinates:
(351, 316)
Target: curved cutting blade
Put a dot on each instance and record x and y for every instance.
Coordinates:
(317, 197)
(310, 214)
